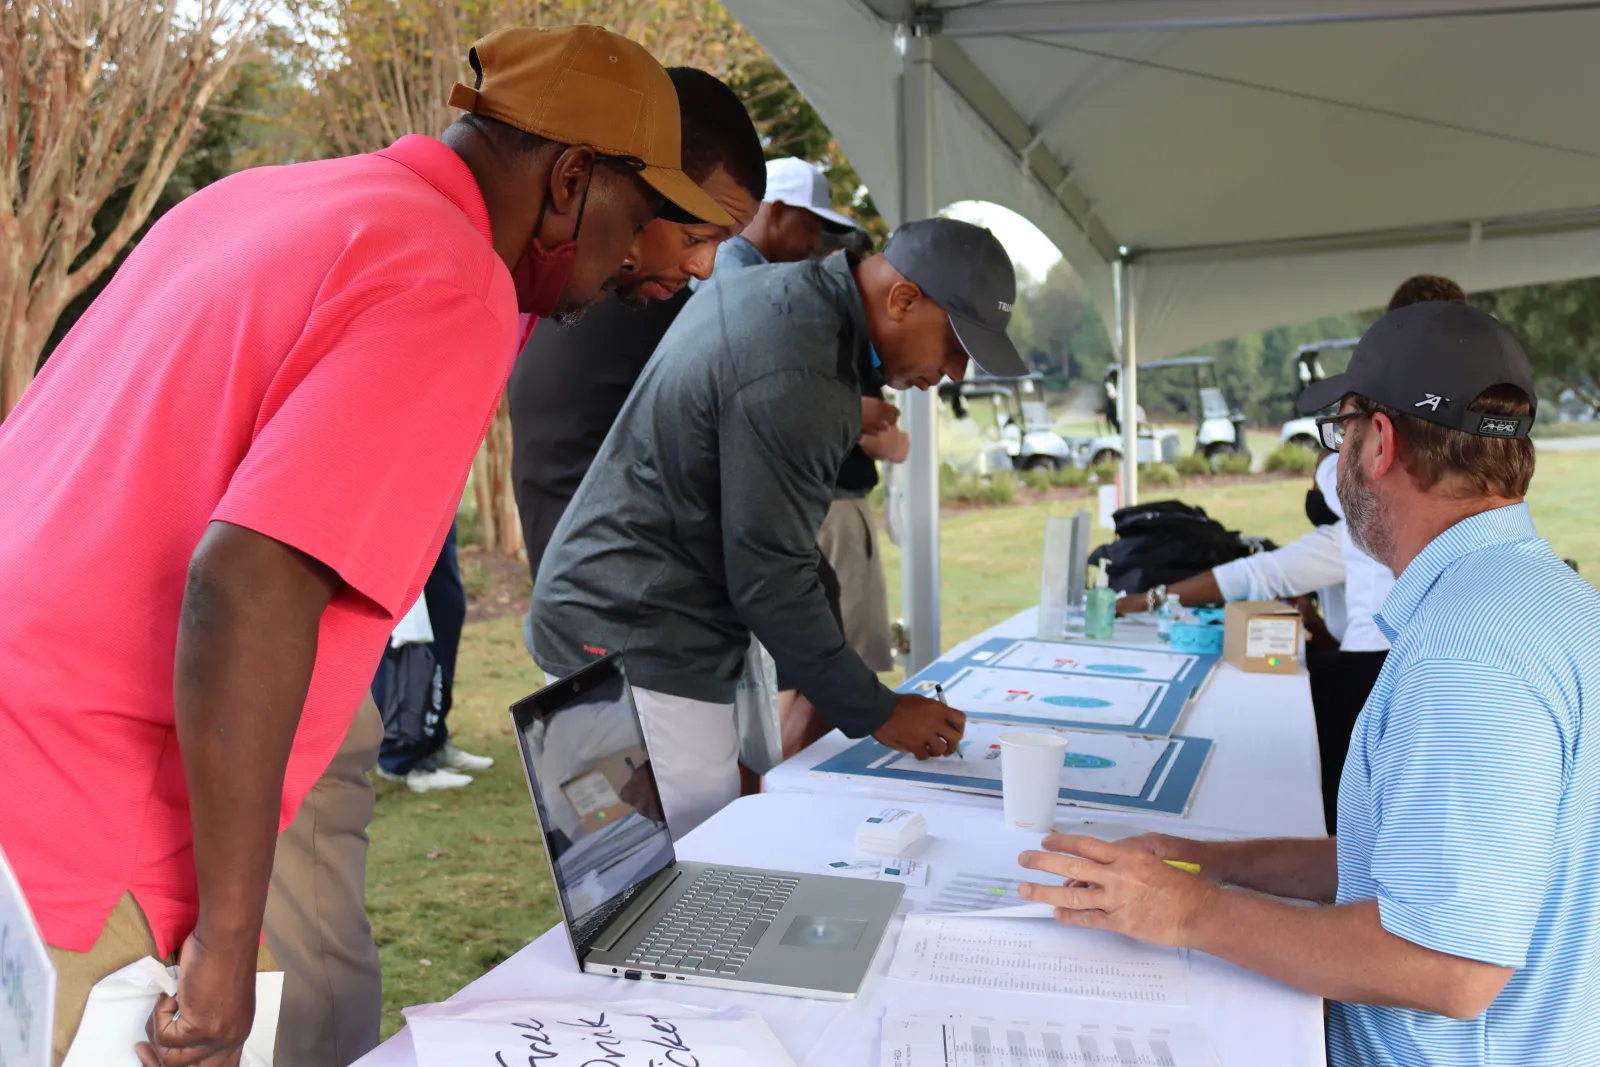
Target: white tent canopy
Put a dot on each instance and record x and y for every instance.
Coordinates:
(1214, 167)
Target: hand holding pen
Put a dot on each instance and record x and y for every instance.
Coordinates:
(938, 691)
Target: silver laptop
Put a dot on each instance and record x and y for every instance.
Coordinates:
(633, 909)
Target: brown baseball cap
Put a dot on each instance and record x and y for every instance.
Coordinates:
(584, 85)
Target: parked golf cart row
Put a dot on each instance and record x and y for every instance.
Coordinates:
(1024, 428)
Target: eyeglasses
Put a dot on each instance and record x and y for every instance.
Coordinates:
(1331, 428)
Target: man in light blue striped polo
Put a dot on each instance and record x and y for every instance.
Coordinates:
(1461, 924)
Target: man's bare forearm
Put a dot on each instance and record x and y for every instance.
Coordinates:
(247, 644)
(1342, 953)
(1306, 868)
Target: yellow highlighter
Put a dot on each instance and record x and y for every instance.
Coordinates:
(1192, 868)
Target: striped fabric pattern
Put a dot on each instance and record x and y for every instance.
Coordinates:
(1470, 803)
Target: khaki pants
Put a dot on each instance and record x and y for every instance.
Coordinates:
(124, 939)
(849, 538)
(316, 920)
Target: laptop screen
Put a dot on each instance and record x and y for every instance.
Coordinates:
(591, 779)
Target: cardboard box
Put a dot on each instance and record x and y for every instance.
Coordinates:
(595, 794)
(1262, 636)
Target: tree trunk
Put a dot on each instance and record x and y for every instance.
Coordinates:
(498, 522)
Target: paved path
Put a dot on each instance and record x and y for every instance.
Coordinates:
(1570, 444)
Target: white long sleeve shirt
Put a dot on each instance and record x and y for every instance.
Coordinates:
(1351, 584)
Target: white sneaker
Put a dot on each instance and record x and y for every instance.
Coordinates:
(424, 781)
(456, 760)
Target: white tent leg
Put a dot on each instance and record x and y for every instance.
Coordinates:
(919, 569)
(1127, 342)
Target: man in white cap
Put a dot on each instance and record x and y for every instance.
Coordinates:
(795, 213)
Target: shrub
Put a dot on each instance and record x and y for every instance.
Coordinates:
(1069, 477)
(1037, 479)
(1105, 472)
(1192, 466)
(1158, 474)
(1292, 459)
(998, 488)
(1234, 463)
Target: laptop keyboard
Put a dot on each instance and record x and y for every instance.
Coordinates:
(716, 924)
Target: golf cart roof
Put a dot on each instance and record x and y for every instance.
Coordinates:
(989, 379)
(1323, 346)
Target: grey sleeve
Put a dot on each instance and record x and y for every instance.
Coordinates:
(782, 439)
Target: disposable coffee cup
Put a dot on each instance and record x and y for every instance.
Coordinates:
(1030, 776)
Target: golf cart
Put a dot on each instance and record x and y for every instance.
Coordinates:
(1189, 384)
(1022, 420)
(1308, 368)
(1221, 426)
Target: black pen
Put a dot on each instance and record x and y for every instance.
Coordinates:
(938, 691)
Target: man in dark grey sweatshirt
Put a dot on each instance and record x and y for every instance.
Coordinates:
(697, 523)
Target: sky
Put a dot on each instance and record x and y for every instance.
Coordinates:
(1029, 248)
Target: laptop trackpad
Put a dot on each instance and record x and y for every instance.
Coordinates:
(820, 931)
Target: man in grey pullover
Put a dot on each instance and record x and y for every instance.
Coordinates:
(697, 523)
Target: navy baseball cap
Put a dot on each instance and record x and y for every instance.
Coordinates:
(965, 270)
(1432, 360)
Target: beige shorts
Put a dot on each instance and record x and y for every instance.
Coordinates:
(849, 539)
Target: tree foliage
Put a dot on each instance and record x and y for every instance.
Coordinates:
(790, 126)
(381, 69)
(1559, 324)
(97, 99)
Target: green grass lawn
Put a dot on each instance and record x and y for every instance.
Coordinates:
(456, 881)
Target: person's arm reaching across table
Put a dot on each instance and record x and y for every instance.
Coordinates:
(1305, 565)
(780, 453)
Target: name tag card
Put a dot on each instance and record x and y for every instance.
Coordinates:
(27, 981)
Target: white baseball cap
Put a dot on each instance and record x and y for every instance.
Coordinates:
(795, 182)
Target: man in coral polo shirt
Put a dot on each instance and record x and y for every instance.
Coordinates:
(234, 474)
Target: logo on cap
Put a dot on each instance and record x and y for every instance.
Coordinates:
(1431, 401)
(1494, 427)
(1004, 306)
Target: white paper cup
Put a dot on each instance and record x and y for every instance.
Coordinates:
(1030, 776)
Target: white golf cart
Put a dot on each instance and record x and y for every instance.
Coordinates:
(1014, 411)
(1309, 366)
(1220, 426)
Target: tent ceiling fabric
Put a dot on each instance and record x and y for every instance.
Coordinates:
(1288, 159)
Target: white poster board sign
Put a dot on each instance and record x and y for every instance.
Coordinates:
(27, 981)
(567, 1034)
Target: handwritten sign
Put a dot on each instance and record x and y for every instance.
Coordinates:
(27, 981)
(553, 1033)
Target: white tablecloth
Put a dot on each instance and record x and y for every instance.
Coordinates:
(1250, 1020)
(1263, 780)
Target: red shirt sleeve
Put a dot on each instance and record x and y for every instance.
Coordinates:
(367, 431)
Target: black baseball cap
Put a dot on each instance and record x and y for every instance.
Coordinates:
(1431, 360)
(964, 269)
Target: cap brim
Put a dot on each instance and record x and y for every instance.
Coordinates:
(989, 348)
(1323, 394)
(835, 221)
(681, 191)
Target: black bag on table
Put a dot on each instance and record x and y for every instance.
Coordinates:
(1166, 541)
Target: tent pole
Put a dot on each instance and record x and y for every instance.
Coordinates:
(1127, 342)
(919, 569)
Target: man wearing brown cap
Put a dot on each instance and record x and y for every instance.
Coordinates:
(245, 456)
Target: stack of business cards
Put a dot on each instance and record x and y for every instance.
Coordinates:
(904, 871)
(890, 832)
